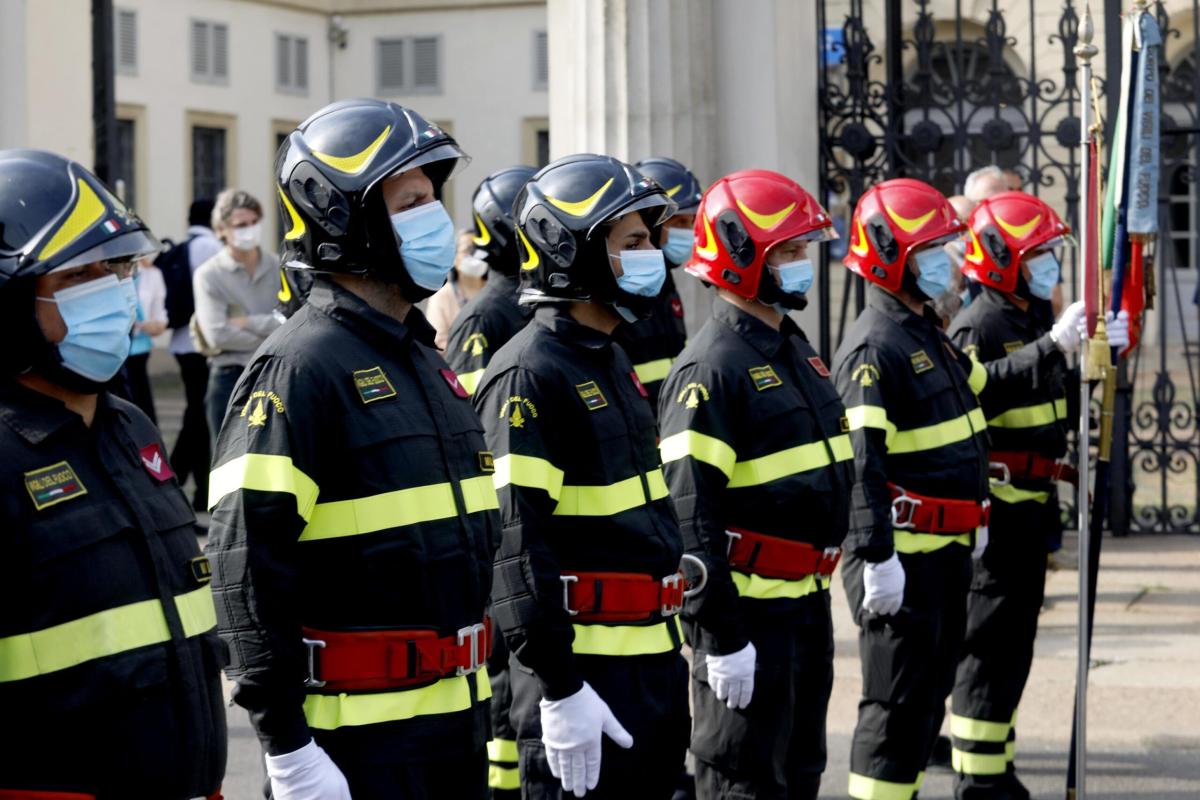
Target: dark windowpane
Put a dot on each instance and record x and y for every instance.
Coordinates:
(123, 169)
(543, 148)
(208, 162)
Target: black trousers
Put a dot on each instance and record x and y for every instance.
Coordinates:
(908, 665)
(503, 775)
(648, 696)
(191, 454)
(775, 747)
(1006, 596)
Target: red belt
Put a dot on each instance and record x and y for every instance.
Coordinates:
(621, 596)
(1031, 466)
(911, 511)
(26, 794)
(393, 659)
(774, 557)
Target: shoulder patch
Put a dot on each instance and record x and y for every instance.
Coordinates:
(677, 307)
(637, 384)
(921, 362)
(515, 408)
(373, 384)
(1012, 347)
(258, 407)
(764, 377)
(865, 374)
(51, 485)
(156, 463)
(451, 378)
(475, 344)
(818, 366)
(591, 395)
(692, 395)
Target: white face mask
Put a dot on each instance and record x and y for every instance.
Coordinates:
(246, 238)
(472, 267)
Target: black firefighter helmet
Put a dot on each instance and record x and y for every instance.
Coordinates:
(678, 181)
(330, 172)
(495, 230)
(561, 219)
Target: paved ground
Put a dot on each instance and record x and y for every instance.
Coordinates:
(1144, 709)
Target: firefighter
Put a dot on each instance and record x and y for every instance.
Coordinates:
(652, 343)
(919, 510)
(760, 466)
(352, 503)
(493, 316)
(1012, 252)
(588, 581)
(109, 656)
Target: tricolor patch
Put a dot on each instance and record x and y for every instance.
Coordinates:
(764, 377)
(372, 384)
(921, 362)
(591, 395)
(111, 225)
(53, 484)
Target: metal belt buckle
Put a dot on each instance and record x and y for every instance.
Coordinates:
(1004, 471)
(697, 588)
(313, 646)
(566, 581)
(671, 583)
(733, 536)
(901, 521)
(474, 634)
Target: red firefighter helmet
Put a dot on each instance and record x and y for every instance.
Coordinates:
(891, 220)
(741, 217)
(1003, 228)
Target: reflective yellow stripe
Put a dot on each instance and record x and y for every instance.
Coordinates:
(625, 640)
(504, 778)
(528, 471)
(978, 377)
(604, 501)
(870, 417)
(329, 712)
(105, 633)
(700, 446)
(470, 380)
(920, 778)
(978, 763)
(397, 509)
(791, 461)
(652, 370)
(760, 588)
(864, 788)
(910, 542)
(502, 750)
(266, 473)
(1011, 494)
(1010, 752)
(932, 437)
(979, 730)
(1031, 416)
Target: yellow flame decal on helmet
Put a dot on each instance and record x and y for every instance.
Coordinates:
(860, 246)
(484, 238)
(708, 250)
(581, 208)
(911, 225)
(357, 162)
(674, 190)
(531, 260)
(1019, 231)
(296, 229)
(284, 294)
(974, 252)
(87, 211)
(766, 221)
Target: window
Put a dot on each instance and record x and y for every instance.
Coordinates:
(541, 60)
(535, 141)
(125, 31)
(411, 65)
(124, 168)
(208, 162)
(210, 52)
(291, 63)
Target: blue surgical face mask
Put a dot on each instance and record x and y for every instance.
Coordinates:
(933, 276)
(98, 322)
(129, 289)
(644, 272)
(1043, 274)
(426, 243)
(794, 277)
(678, 248)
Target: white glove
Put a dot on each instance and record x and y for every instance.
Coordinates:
(306, 774)
(884, 586)
(732, 677)
(571, 731)
(1118, 329)
(981, 542)
(1065, 332)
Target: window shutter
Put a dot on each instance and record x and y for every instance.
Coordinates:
(391, 65)
(200, 61)
(300, 60)
(541, 60)
(425, 63)
(220, 56)
(126, 33)
(283, 62)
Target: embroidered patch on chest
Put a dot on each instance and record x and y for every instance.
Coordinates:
(591, 395)
(53, 484)
(764, 377)
(372, 384)
(156, 463)
(818, 366)
(1012, 347)
(921, 362)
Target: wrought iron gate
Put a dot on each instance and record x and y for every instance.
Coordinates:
(923, 89)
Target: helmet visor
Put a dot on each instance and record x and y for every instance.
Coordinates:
(132, 245)
(443, 152)
(656, 200)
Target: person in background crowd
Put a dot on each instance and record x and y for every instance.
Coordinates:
(150, 321)
(235, 293)
(982, 184)
(465, 281)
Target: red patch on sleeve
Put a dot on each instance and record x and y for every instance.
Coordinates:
(453, 382)
(638, 385)
(156, 463)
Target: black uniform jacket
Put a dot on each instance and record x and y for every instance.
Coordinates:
(351, 490)
(753, 436)
(109, 658)
(485, 324)
(914, 417)
(581, 490)
(1031, 415)
(653, 343)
